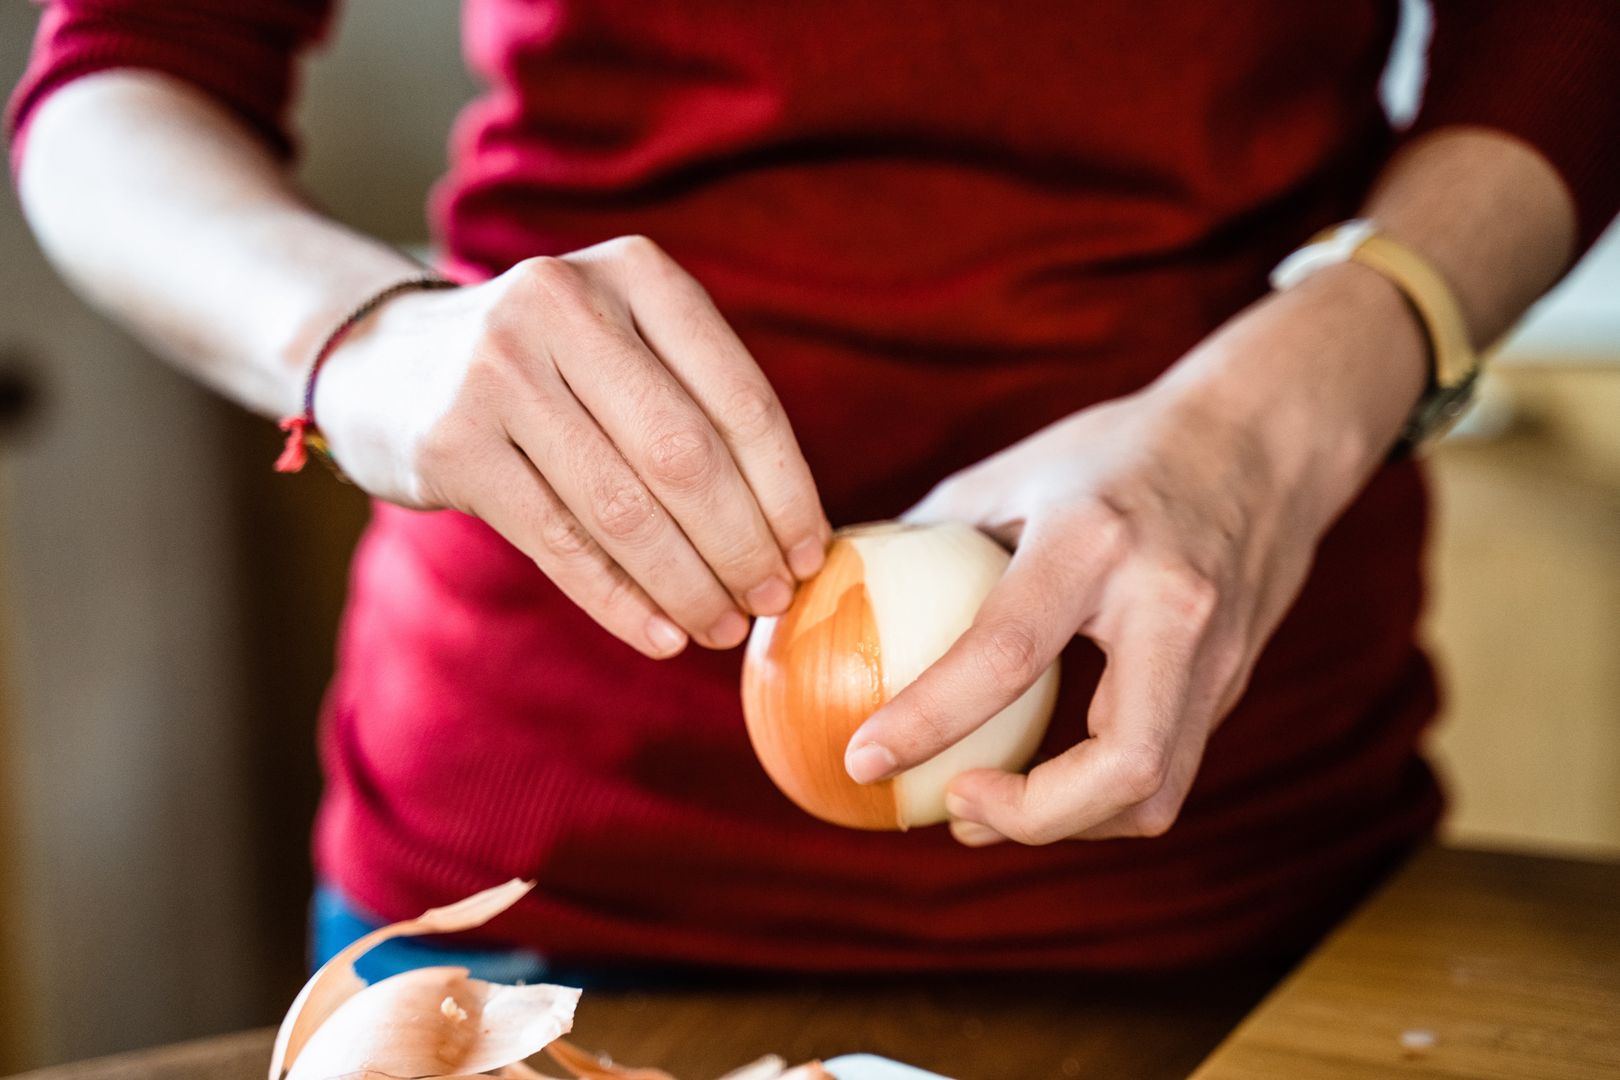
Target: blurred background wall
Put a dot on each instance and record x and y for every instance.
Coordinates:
(167, 608)
(167, 605)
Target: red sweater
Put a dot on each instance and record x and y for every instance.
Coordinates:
(939, 225)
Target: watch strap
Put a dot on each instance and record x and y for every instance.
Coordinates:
(1454, 358)
(1454, 363)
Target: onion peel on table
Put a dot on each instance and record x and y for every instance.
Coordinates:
(439, 1023)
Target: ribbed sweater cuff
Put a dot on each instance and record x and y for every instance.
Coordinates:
(240, 55)
(1546, 73)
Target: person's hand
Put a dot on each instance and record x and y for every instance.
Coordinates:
(1173, 528)
(597, 411)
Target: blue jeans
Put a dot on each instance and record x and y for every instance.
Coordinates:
(335, 921)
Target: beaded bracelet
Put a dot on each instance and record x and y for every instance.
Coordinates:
(303, 435)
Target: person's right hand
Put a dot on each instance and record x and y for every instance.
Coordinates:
(597, 411)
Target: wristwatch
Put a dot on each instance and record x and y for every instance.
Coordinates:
(1454, 365)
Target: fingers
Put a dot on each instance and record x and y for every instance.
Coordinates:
(678, 321)
(677, 454)
(619, 513)
(1024, 623)
(1130, 765)
(676, 468)
(518, 503)
(1154, 816)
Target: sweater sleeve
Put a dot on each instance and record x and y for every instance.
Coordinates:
(1544, 71)
(239, 52)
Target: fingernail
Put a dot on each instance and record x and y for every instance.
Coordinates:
(770, 597)
(958, 807)
(806, 558)
(868, 763)
(729, 630)
(973, 834)
(665, 636)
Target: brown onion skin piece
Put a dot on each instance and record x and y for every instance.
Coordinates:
(587, 1066)
(336, 981)
(816, 680)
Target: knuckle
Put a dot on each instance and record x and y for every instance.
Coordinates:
(623, 511)
(1143, 769)
(948, 490)
(1106, 527)
(954, 495)
(550, 274)
(1010, 654)
(639, 249)
(683, 457)
(1191, 593)
(752, 413)
(544, 284)
(565, 538)
(643, 258)
(1156, 818)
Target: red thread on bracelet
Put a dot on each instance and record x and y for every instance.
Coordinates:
(303, 434)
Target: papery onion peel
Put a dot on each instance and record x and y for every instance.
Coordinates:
(439, 1023)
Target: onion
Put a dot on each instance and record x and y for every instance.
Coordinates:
(888, 603)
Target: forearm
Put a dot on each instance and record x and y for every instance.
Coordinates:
(172, 218)
(593, 408)
(1175, 527)
(1488, 212)
(1325, 374)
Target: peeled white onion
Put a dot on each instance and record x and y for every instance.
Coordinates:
(889, 602)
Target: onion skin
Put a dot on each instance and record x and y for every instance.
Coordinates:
(438, 1023)
(810, 678)
(813, 675)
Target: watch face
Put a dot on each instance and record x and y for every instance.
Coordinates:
(1438, 411)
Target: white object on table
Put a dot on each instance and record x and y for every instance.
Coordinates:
(872, 1067)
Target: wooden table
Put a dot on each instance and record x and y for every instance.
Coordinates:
(1467, 965)
(1510, 964)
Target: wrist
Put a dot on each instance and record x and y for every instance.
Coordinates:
(365, 390)
(324, 305)
(1320, 377)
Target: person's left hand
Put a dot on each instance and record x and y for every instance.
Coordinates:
(1173, 528)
